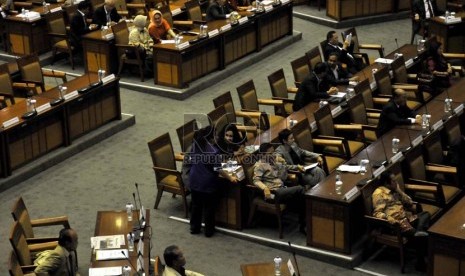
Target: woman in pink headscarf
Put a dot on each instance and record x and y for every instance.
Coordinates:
(159, 28)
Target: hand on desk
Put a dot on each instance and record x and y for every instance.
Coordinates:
(354, 78)
(333, 90)
(93, 27)
(417, 17)
(418, 119)
(320, 160)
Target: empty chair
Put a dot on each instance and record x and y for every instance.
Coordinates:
(401, 78)
(186, 135)
(21, 214)
(314, 56)
(7, 93)
(15, 269)
(280, 90)
(370, 102)
(359, 115)
(194, 12)
(164, 165)
(218, 119)
(327, 129)
(300, 69)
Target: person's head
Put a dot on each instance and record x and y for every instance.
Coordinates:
(157, 17)
(140, 22)
(399, 97)
(332, 37)
(110, 4)
(174, 257)
(333, 59)
(84, 7)
(435, 49)
(320, 69)
(230, 134)
(388, 180)
(266, 148)
(286, 137)
(68, 239)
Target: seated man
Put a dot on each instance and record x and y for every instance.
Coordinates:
(345, 53)
(396, 112)
(106, 14)
(269, 175)
(159, 28)
(79, 26)
(218, 9)
(392, 204)
(6, 6)
(62, 260)
(175, 262)
(296, 157)
(423, 11)
(336, 74)
(313, 87)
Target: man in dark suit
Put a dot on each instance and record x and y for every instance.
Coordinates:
(79, 25)
(336, 74)
(314, 86)
(423, 10)
(343, 50)
(396, 112)
(106, 14)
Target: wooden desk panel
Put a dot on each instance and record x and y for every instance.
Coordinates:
(345, 9)
(263, 269)
(99, 53)
(447, 243)
(239, 43)
(116, 223)
(452, 36)
(230, 208)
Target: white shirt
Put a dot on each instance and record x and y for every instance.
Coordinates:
(427, 8)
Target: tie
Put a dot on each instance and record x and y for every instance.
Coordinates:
(71, 266)
(430, 9)
(85, 23)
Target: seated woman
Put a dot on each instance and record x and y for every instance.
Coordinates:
(159, 28)
(437, 66)
(140, 37)
(230, 142)
(218, 9)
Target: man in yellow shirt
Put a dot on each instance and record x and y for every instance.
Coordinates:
(175, 262)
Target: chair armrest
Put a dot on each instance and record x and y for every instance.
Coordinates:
(292, 90)
(251, 114)
(41, 240)
(369, 127)
(450, 55)
(61, 220)
(326, 142)
(421, 188)
(351, 127)
(28, 268)
(376, 110)
(441, 169)
(380, 222)
(135, 6)
(270, 102)
(246, 128)
(331, 137)
(54, 74)
(179, 156)
(42, 246)
(63, 36)
(405, 86)
(183, 22)
(284, 100)
(372, 115)
(423, 182)
(381, 100)
(363, 56)
(378, 47)
(164, 170)
(199, 21)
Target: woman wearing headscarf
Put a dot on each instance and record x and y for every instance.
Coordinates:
(159, 28)
(140, 37)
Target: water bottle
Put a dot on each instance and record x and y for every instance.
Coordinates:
(126, 271)
(177, 40)
(425, 121)
(363, 166)
(447, 105)
(446, 16)
(421, 45)
(44, 4)
(130, 241)
(101, 74)
(2, 13)
(277, 266)
(23, 13)
(28, 104)
(350, 92)
(62, 90)
(321, 104)
(129, 211)
(395, 145)
(338, 183)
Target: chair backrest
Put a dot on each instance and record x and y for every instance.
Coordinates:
(95, 4)
(357, 109)
(14, 268)
(166, 13)
(300, 68)
(5, 80)
(433, 148)
(314, 56)
(120, 5)
(399, 70)
(121, 32)
(248, 96)
(414, 163)
(323, 47)
(226, 101)
(30, 69)
(367, 194)
(303, 135)
(158, 267)
(193, 10)
(56, 22)
(186, 134)
(19, 244)
(218, 118)
(20, 214)
(383, 81)
(352, 31)
(324, 120)
(364, 89)
(162, 154)
(278, 84)
(69, 13)
(453, 133)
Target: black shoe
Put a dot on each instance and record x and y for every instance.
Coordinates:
(195, 232)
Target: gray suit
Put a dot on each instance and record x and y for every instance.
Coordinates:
(309, 178)
(57, 263)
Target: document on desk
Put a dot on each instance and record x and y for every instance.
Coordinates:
(349, 168)
(107, 242)
(311, 166)
(105, 271)
(111, 254)
(384, 60)
(167, 41)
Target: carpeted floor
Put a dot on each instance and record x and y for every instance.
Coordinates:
(103, 176)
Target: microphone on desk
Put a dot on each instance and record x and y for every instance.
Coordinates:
(60, 88)
(294, 259)
(397, 45)
(129, 261)
(140, 202)
(141, 224)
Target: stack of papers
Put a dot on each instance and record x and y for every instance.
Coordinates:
(105, 271)
(113, 254)
(107, 242)
(384, 60)
(349, 168)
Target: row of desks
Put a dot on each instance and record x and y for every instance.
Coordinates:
(57, 126)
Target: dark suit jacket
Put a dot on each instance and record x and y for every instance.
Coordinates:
(418, 6)
(100, 16)
(309, 90)
(392, 116)
(343, 76)
(215, 11)
(78, 28)
(352, 64)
